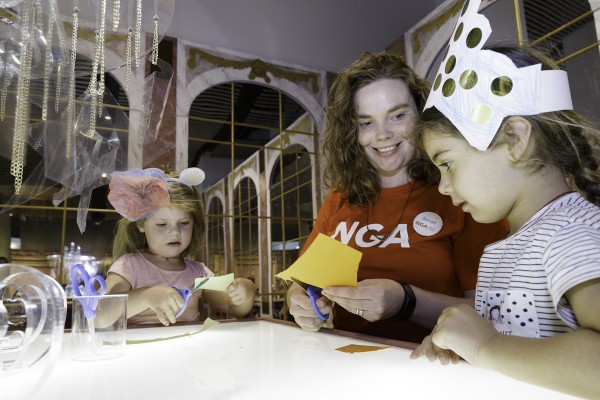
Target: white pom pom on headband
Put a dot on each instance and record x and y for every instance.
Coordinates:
(137, 194)
(476, 89)
(190, 177)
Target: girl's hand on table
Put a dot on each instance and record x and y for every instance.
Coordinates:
(460, 332)
(432, 352)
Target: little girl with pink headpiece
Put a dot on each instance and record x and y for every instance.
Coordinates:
(157, 248)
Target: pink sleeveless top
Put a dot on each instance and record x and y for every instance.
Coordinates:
(140, 272)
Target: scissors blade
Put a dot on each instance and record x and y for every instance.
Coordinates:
(300, 283)
(196, 287)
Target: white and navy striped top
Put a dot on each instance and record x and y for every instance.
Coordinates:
(523, 278)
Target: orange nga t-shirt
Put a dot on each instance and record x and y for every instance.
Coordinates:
(432, 245)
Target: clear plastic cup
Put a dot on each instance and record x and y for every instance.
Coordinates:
(98, 333)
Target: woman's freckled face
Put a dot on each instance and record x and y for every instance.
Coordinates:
(387, 115)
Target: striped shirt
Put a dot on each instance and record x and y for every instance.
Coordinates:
(522, 279)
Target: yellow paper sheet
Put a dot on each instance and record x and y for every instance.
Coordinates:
(327, 262)
(215, 282)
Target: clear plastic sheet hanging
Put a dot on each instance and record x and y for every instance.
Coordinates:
(82, 136)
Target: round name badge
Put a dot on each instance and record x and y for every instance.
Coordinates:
(427, 223)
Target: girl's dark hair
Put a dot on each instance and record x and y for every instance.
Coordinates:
(563, 139)
(347, 168)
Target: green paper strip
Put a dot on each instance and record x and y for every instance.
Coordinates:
(208, 323)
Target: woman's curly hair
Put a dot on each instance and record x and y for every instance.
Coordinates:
(347, 168)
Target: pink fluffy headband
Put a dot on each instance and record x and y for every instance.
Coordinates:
(139, 193)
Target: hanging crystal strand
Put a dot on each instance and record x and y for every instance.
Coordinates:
(47, 61)
(4, 90)
(22, 106)
(62, 58)
(155, 35)
(8, 76)
(93, 87)
(58, 86)
(128, 46)
(116, 14)
(71, 94)
(138, 32)
(101, 86)
(128, 58)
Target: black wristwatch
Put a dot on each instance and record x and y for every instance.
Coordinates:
(408, 306)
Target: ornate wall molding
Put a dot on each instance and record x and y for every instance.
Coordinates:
(426, 39)
(258, 68)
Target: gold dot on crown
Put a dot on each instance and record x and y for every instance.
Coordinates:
(501, 86)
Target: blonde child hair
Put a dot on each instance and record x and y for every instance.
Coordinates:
(128, 238)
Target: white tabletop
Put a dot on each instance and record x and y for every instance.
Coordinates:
(267, 360)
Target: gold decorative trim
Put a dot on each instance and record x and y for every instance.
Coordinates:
(258, 68)
(89, 35)
(251, 164)
(434, 24)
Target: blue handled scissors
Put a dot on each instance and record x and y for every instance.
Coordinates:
(89, 304)
(186, 294)
(314, 293)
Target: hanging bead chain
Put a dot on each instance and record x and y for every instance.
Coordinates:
(128, 58)
(102, 85)
(62, 57)
(22, 106)
(92, 89)
(8, 76)
(128, 45)
(116, 14)
(2, 71)
(47, 61)
(138, 32)
(58, 85)
(95, 88)
(155, 35)
(71, 94)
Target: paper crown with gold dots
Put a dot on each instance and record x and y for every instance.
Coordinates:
(476, 89)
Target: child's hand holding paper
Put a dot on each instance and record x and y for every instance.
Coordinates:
(220, 283)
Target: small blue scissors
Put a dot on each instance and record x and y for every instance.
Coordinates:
(314, 293)
(186, 294)
(89, 304)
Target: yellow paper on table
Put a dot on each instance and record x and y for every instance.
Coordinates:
(214, 282)
(327, 262)
(360, 348)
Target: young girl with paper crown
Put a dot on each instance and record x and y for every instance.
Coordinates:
(157, 246)
(500, 128)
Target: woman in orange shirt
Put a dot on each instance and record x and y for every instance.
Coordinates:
(420, 252)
